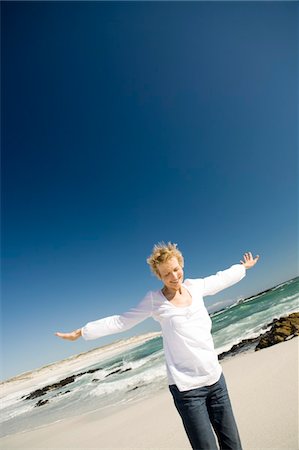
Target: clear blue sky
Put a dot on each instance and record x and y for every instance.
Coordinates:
(125, 124)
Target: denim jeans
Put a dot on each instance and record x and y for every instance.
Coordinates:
(206, 407)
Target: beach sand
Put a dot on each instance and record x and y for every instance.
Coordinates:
(263, 387)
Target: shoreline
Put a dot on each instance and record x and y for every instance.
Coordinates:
(263, 388)
(80, 360)
(280, 329)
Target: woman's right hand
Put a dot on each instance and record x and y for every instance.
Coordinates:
(72, 336)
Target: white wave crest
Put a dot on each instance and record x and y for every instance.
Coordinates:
(155, 374)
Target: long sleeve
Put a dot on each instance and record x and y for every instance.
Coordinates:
(118, 323)
(223, 279)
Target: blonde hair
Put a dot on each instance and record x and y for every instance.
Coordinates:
(163, 252)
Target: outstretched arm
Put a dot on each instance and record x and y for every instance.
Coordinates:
(226, 278)
(112, 324)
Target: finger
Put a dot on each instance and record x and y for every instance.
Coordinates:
(61, 335)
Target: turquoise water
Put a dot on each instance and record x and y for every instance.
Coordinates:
(137, 372)
(248, 318)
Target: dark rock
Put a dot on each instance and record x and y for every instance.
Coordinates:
(118, 371)
(281, 330)
(88, 371)
(59, 384)
(41, 402)
(35, 394)
(242, 346)
(50, 387)
(112, 373)
(126, 370)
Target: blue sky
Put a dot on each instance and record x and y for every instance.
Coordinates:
(125, 124)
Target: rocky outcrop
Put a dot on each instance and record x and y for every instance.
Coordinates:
(282, 329)
(243, 346)
(59, 384)
(50, 387)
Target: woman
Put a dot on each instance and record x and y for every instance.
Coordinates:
(195, 376)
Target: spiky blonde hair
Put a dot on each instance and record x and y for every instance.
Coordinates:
(163, 252)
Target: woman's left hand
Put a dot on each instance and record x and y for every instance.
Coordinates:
(249, 261)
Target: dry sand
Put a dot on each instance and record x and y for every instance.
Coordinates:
(263, 388)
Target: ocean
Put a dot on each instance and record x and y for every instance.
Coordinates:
(127, 370)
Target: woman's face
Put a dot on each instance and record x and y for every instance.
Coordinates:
(171, 274)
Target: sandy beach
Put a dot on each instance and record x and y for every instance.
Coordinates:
(263, 388)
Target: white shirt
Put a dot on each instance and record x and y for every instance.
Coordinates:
(191, 360)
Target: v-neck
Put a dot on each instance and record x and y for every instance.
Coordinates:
(174, 306)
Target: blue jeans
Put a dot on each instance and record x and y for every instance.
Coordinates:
(206, 407)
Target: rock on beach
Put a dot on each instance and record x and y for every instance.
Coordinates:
(282, 329)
